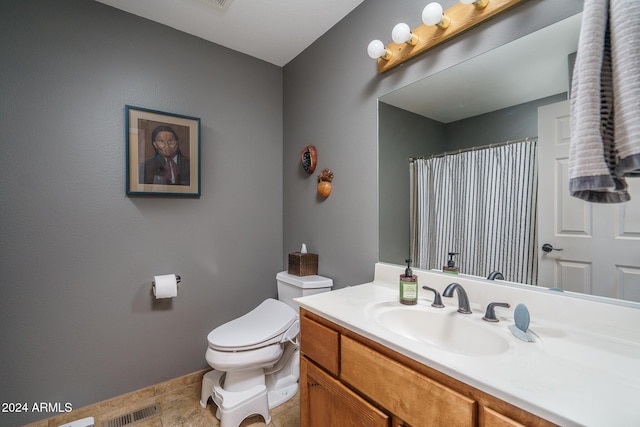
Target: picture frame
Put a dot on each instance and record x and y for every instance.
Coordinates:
(163, 153)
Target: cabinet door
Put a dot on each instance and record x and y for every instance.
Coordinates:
(324, 402)
(413, 397)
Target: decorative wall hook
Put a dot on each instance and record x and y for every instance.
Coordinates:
(309, 158)
(324, 183)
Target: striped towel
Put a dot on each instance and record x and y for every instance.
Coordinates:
(605, 102)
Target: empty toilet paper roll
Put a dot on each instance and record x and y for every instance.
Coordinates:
(165, 286)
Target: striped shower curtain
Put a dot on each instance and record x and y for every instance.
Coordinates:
(481, 204)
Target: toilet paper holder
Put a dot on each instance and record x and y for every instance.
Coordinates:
(153, 282)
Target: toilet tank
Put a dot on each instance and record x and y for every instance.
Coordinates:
(291, 286)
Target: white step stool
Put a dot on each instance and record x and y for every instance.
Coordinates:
(233, 407)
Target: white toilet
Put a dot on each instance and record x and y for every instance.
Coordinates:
(255, 360)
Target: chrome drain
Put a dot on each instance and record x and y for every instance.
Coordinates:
(133, 417)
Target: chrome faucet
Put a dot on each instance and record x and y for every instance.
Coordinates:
(495, 275)
(463, 299)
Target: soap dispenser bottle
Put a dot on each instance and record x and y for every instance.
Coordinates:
(408, 286)
(451, 265)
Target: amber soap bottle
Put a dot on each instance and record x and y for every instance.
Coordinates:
(408, 286)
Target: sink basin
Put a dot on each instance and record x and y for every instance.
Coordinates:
(442, 328)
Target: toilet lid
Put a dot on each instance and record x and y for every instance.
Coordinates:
(266, 321)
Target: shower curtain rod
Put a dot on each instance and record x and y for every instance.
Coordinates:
(482, 147)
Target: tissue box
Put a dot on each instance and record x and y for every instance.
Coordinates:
(303, 264)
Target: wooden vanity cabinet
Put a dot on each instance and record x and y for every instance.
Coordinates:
(348, 380)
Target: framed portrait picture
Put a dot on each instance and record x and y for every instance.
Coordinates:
(163, 153)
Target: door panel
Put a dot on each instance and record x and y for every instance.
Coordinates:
(600, 242)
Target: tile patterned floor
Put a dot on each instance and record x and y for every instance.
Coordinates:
(179, 402)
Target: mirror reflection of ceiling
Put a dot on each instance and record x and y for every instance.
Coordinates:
(526, 71)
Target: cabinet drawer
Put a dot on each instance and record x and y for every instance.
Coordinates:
(320, 344)
(411, 396)
(491, 418)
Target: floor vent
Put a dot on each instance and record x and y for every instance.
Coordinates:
(133, 417)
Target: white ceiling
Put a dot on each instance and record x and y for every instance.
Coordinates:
(274, 31)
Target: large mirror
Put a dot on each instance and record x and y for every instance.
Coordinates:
(488, 99)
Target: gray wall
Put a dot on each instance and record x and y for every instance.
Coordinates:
(401, 134)
(517, 122)
(77, 321)
(330, 101)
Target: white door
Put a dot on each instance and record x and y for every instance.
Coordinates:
(600, 242)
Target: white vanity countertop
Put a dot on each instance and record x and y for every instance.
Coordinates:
(595, 383)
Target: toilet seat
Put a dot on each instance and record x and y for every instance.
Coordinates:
(262, 326)
(239, 360)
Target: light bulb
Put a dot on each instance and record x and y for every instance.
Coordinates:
(402, 34)
(433, 14)
(376, 49)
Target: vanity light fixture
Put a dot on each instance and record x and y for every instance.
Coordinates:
(439, 26)
(480, 4)
(376, 50)
(402, 34)
(433, 14)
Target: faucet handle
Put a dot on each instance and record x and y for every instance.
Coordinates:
(490, 315)
(437, 301)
